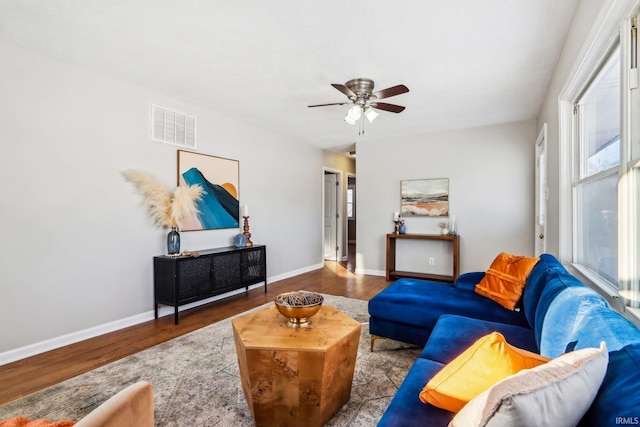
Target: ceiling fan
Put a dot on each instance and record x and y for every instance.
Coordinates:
(364, 100)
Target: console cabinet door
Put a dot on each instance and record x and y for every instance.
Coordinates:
(194, 278)
(226, 270)
(253, 266)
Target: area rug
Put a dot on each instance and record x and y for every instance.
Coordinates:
(196, 381)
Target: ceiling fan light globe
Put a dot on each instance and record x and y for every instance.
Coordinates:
(349, 120)
(371, 114)
(355, 112)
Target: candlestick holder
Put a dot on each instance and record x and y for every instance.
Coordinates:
(246, 231)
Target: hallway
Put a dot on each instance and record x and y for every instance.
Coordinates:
(350, 262)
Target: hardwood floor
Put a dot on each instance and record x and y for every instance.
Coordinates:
(29, 375)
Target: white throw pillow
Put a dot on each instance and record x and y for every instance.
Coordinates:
(557, 393)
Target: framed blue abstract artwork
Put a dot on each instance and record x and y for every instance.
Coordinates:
(218, 177)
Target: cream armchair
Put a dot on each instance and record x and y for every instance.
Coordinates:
(132, 406)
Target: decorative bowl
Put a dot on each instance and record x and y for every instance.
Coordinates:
(298, 307)
(240, 240)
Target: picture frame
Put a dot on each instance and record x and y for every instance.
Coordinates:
(424, 197)
(219, 207)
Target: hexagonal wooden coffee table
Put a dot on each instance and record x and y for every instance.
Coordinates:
(296, 377)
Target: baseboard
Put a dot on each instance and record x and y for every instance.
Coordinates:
(370, 272)
(74, 337)
(296, 272)
(63, 340)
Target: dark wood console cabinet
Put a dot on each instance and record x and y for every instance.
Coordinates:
(185, 279)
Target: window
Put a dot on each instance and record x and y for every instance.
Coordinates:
(630, 280)
(630, 186)
(351, 190)
(595, 183)
(599, 214)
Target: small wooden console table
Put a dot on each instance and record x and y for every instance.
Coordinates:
(392, 273)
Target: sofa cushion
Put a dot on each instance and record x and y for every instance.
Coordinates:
(453, 334)
(556, 394)
(557, 281)
(618, 400)
(489, 360)
(580, 317)
(469, 280)
(420, 302)
(505, 279)
(406, 409)
(536, 283)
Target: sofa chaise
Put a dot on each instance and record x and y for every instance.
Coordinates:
(556, 314)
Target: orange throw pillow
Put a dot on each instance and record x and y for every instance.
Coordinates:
(478, 368)
(25, 422)
(505, 279)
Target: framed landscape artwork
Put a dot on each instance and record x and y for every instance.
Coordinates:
(218, 177)
(424, 197)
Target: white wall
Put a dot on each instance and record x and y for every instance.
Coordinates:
(491, 192)
(77, 244)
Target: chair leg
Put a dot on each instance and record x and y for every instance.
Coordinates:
(373, 339)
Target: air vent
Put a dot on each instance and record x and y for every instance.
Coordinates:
(173, 127)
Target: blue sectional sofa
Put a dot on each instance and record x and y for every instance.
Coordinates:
(557, 314)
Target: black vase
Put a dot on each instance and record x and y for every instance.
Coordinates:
(173, 241)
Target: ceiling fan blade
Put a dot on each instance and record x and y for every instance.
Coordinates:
(344, 89)
(326, 105)
(388, 107)
(391, 91)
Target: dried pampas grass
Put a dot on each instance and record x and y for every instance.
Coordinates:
(167, 210)
(184, 201)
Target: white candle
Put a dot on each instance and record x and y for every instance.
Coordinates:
(396, 216)
(245, 210)
(452, 223)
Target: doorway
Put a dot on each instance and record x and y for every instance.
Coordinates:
(349, 261)
(331, 215)
(541, 192)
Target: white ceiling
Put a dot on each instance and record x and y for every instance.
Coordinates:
(467, 63)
